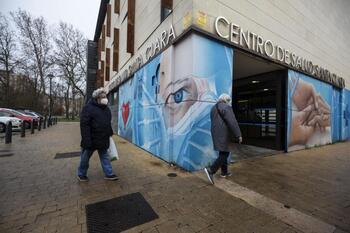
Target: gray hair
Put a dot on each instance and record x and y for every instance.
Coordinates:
(224, 98)
(97, 93)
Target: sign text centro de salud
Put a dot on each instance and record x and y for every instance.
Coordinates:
(247, 39)
(236, 35)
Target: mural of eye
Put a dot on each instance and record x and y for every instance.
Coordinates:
(178, 96)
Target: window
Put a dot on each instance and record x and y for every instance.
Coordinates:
(109, 8)
(131, 27)
(103, 38)
(116, 49)
(166, 9)
(107, 73)
(108, 58)
(117, 6)
(99, 45)
(102, 73)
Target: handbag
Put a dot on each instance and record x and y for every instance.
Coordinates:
(232, 139)
(112, 150)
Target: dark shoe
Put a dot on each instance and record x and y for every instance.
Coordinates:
(111, 177)
(226, 175)
(209, 175)
(83, 178)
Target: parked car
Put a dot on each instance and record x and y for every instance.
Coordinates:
(25, 118)
(35, 114)
(37, 118)
(16, 123)
(31, 113)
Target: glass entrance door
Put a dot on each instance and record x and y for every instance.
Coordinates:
(258, 106)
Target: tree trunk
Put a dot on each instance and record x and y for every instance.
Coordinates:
(73, 104)
(67, 102)
(7, 88)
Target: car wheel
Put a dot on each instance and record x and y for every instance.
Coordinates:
(2, 127)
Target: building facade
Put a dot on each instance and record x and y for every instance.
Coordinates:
(165, 62)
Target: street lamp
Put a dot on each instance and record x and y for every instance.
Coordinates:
(50, 76)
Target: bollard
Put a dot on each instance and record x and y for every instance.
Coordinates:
(23, 130)
(39, 124)
(8, 134)
(44, 126)
(32, 127)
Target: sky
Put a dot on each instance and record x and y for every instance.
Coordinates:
(82, 14)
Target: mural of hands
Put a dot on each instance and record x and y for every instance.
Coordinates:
(312, 113)
(318, 117)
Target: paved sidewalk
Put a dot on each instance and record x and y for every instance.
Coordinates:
(41, 194)
(314, 181)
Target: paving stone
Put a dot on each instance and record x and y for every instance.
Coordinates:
(45, 195)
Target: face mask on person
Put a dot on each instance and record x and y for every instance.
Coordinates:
(104, 101)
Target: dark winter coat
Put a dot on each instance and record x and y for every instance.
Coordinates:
(223, 131)
(95, 126)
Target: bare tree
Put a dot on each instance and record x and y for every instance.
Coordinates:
(36, 46)
(8, 59)
(70, 56)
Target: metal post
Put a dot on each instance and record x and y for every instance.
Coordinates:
(23, 130)
(39, 124)
(32, 127)
(44, 126)
(8, 135)
(50, 106)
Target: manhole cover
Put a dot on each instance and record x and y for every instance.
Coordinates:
(172, 174)
(67, 155)
(6, 155)
(119, 214)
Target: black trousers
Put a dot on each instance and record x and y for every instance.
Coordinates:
(220, 162)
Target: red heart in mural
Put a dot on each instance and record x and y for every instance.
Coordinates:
(125, 112)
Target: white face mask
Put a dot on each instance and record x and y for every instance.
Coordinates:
(104, 101)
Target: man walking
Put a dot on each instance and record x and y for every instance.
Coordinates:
(224, 126)
(95, 127)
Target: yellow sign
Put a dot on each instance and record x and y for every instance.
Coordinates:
(187, 20)
(202, 18)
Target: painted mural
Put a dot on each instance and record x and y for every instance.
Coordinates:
(309, 112)
(345, 113)
(126, 105)
(165, 108)
(336, 114)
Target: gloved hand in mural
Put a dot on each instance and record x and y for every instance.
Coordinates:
(319, 117)
(304, 95)
(312, 112)
(300, 132)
